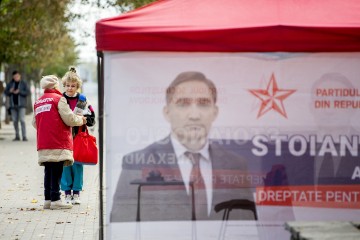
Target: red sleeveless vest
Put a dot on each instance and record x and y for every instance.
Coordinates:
(52, 132)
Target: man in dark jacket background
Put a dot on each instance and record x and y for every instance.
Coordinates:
(2, 89)
(17, 90)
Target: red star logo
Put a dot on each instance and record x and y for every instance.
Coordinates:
(272, 97)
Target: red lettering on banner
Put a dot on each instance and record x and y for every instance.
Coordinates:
(319, 92)
(337, 92)
(322, 104)
(346, 104)
(337, 103)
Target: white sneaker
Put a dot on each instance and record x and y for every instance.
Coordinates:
(60, 205)
(76, 199)
(68, 199)
(47, 204)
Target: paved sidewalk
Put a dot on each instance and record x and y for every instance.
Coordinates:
(21, 198)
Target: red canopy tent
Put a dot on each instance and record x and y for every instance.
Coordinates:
(234, 26)
(227, 26)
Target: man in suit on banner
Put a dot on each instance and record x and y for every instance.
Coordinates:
(187, 156)
(336, 161)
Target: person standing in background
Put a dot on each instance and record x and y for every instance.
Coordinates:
(72, 177)
(53, 120)
(2, 89)
(17, 90)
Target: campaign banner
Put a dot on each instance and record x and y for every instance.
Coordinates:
(273, 135)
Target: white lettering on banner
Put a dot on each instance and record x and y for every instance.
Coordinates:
(260, 148)
(141, 158)
(310, 196)
(356, 173)
(299, 145)
(44, 100)
(43, 108)
(340, 196)
(287, 195)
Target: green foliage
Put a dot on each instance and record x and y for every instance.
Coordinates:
(127, 5)
(33, 34)
(123, 5)
(66, 56)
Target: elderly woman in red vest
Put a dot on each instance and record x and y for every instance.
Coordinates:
(53, 120)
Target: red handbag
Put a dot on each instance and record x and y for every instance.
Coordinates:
(85, 148)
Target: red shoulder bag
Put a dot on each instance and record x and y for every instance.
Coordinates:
(85, 148)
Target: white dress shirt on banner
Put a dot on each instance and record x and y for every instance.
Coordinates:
(185, 166)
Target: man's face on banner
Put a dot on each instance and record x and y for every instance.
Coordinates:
(190, 113)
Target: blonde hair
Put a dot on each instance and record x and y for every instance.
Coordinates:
(71, 77)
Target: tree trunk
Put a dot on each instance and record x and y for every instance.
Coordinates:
(7, 100)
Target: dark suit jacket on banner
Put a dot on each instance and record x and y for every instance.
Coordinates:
(172, 202)
(301, 171)
(290, 170)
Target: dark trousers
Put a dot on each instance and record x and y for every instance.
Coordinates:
(52, 177)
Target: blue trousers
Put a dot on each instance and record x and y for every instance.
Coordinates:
(52, 176)
(72, 178)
